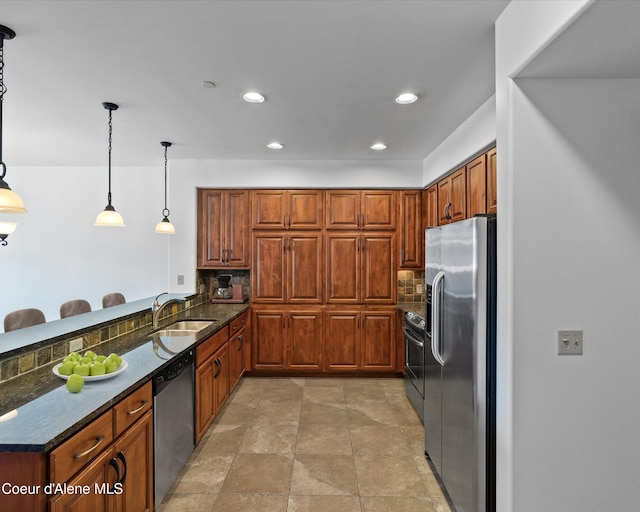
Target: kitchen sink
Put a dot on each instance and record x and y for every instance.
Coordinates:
(184, 328)
(190, 325)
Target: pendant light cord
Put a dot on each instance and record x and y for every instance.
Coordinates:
(3, 89)
(165, 184)
(110, 130)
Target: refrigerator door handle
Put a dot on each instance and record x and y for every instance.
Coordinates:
(435, 317)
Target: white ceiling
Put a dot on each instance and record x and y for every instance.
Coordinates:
(329, 69)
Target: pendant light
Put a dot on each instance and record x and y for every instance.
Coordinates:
(10, 202)
(109, 216)
(165, 226)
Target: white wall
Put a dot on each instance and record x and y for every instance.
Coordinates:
(569, 235)
(187, 175)
(475, 134)
(57, 254)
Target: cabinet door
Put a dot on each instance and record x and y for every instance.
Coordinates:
(411, 233)
(237, 241)
(377, 254)
(342, 209)
(342, 340)
(134, 451)
(236, 359)
(204, 397)
(429, 208)
(99, 473)
(304, 340)
(379, 340)
(378, 210)
(476, 186)
(268, 339)
(343, 268)
(220, 377)
(268, 275)
(492, 181)
(444, 201)
(304, 209)
(458, 210)
(305, 258)
(268, 209)
(211, 227)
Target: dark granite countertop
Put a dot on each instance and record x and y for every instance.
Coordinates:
(415, 307)
(37, 412)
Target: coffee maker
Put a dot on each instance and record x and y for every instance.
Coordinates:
(223, 291)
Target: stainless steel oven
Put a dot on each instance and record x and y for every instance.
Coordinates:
(414, 337)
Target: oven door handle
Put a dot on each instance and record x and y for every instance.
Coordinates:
(410, 336)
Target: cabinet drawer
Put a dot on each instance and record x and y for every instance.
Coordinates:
(211, 344)
(126, 412)
(73, 454)
(237, 324)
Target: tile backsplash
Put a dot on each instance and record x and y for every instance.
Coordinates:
(410, 286)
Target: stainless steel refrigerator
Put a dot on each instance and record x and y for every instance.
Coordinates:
(460, 386)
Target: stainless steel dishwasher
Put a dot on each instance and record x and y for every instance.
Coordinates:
(173, 421)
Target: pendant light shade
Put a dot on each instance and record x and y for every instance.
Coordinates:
(6, 228)
(164, 226)
(109, 217)
(10, 202)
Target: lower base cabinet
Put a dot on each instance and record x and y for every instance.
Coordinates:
(211, 379)
(329, 339)
(120, 479)
(287, 338)
(360, 339)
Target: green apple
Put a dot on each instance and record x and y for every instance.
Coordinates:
(75, 383)
(66, 368)
(100, 359)
(115, 357)
(111, 366)
(82, 369)
(90, 353)
(97, 369)
(74, 355)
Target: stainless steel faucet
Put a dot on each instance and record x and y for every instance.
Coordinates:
(157, 308)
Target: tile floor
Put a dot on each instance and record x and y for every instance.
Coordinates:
(310, 445)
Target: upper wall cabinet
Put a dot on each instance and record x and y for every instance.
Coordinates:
(492, 180)
(360, 209)
(452, 192)
(411, 230)
(223, 229)
(477, 186)
(286, 209)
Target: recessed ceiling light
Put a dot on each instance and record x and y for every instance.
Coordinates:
(275, 145)
(207, 84)
(253, 97)
(406, 98)
(379, 146)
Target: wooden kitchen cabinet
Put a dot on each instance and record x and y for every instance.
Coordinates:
(287, 338)
(287, 268)
(223, 229)
(360, 268)
(477, 186)
(411, 230)
(211, 379)
(287, 209)
(360, 209)
(360, 339)
(430, 207)
(238, 345)
(452, 200)
(116, 448)
(492, 181)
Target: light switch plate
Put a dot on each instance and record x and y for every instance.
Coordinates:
(180, 279)
(570, 343)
